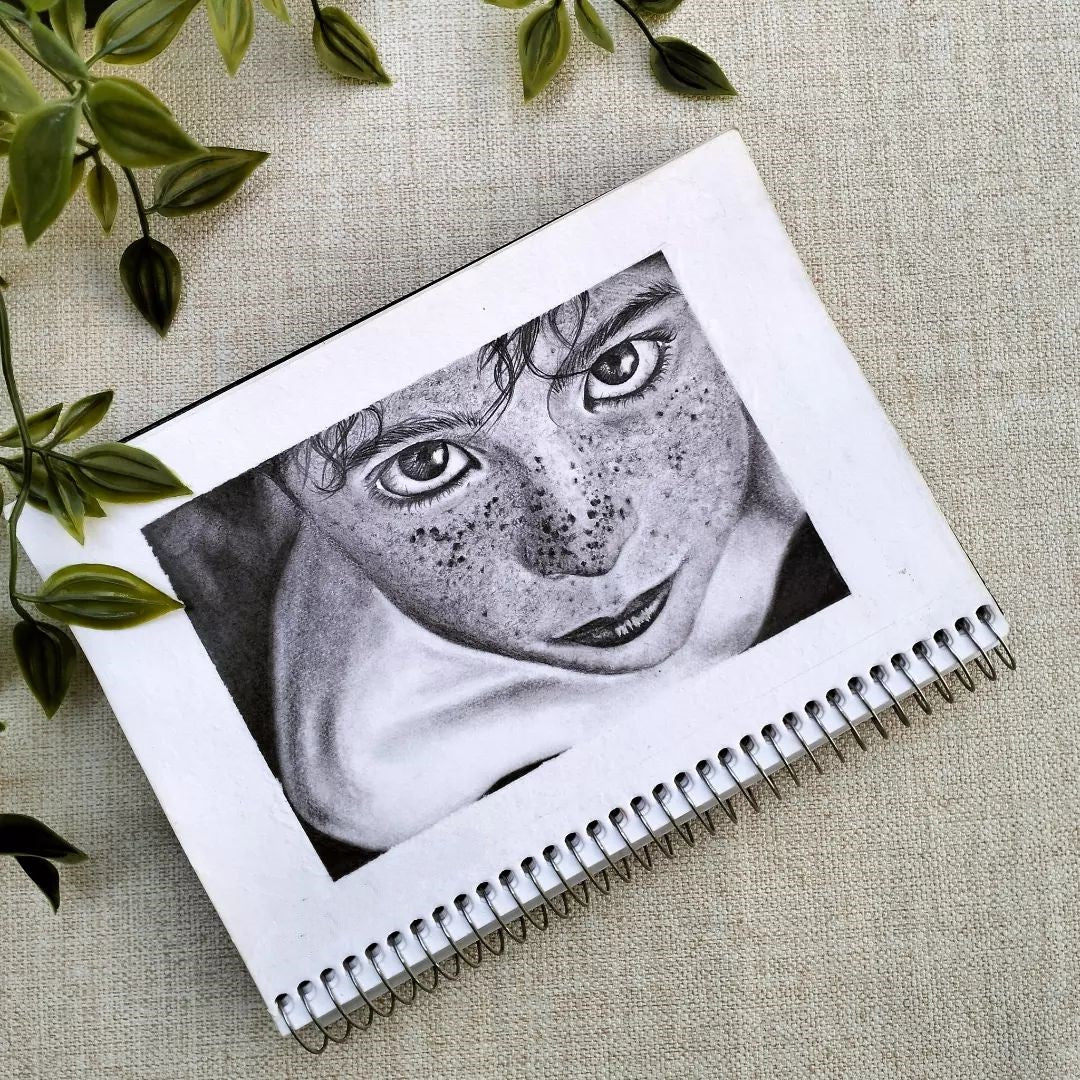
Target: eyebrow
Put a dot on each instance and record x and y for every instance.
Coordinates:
(640, 304)
(414, 427)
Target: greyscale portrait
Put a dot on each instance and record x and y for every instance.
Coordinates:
(413, 608)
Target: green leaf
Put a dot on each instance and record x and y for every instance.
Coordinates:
(151, 276)
(140, 89)
(56, 52)
(68, 19)
(134, 130)
(78, 170)
(40, 164)
(232, 23)
(83, 415)
(7, 129)
(39, 425)
(684, 68)
(101, 597)
(278, 9)
(592, 26)
(204, 181)
(117, 472)
(17, 93)
(343, 46)
(102, 193)
(65, 501)
(134, 31)
(656, 7)
(38, 481)
(512, 5)
(21, 834)
(9, 212)
(543, 42)
(46, 658)
(44, 875)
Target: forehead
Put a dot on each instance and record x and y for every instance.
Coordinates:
(470, 384)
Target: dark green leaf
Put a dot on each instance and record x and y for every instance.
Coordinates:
(592, 26)
(7, 129)
(656, 7)
(684, 68)
(232, 23)
(133, 129)
(38, 424)
(543, 42)
(65, 501)
(17, 93)
(40, 164)
(204, 181)
(134, 31)
(118, 472)
(38, 481)
(278, 9)
(56, 52)
(151, 276)
(44, 875)
(140, 89)
(24, 835)
(343, 46)
(513, 5)
(78, 170)
(68, 19)
(46, 658)
(84, 414)
(9, 213)
(102, 193)
(101, 597)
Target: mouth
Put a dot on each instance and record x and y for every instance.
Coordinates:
(627, 625)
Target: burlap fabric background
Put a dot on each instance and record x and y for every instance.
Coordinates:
(910, 914)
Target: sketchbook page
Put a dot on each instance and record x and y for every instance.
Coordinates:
(466, 575)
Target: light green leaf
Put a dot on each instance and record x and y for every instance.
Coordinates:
(102, 194)
(65, 501)
(232, 23)
(117, 472)
(40, 164)
(38, 424)
(684, 68)
(83, 415)
(7, 129)
(278, 9)
(656, 7)
(17, 93)
(68, 19)
(37, 5)
(78, 170)
(592, 26)
(56, 52)
(101, 597)
(133, 129)
(46, 659)
(344, 47)
(151, 275)
(512, 5)
(24, 835)
(134, 31)
(543, 42)
(204, 181)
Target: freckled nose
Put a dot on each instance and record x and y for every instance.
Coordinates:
(572, 526)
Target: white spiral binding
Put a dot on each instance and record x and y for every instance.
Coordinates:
(675, 812)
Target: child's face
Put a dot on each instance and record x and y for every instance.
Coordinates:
(581, 527)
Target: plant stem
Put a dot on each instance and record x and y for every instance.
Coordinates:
(33, 55)
(640, 21)
(27, 461)
(144, 224)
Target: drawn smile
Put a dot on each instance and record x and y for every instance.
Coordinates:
(627, 625)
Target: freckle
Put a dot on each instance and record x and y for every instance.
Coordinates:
(693, 416)
(659, 414)
(571, 518)
(538, 460)
(591, 514)
(461, 558)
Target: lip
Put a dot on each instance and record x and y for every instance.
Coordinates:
(626, 626)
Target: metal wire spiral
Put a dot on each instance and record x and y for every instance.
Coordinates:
(895, 679)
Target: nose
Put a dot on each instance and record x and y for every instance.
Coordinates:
(576, 520)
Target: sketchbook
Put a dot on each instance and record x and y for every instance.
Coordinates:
(498, 594)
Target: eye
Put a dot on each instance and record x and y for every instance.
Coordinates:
(425, 469)
(624, 371)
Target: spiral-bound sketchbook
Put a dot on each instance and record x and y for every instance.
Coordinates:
(497, 594)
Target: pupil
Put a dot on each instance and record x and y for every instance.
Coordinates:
(617, 365)
(425, 461)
